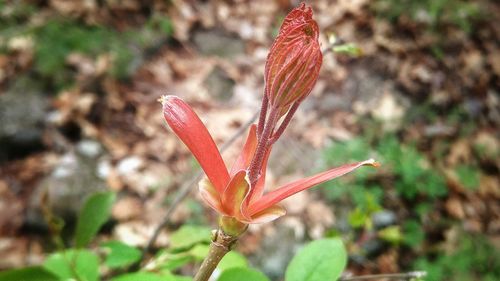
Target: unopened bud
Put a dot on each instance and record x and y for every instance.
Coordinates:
(294, 61)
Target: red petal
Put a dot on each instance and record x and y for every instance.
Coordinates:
(268, 214)
(243, 161)
(290, 189)
(189, 128)
(210, 195)
(234, 194)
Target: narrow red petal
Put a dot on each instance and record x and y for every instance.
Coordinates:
(290, 189)
(210, 195)
(243, 160)
(268, 214)
(189, 128)
(234, 194)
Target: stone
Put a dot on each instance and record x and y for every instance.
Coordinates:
(22, 113)
(216, 42)
(383, 219)
(72, 180)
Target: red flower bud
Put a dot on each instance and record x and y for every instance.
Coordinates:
(293, 63)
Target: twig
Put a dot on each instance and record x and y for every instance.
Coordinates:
(401, 276)
(220, 246)
(186, 188)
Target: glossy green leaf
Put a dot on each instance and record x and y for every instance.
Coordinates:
(318, 261)
(28, 274)
(120, 254)
(74, 264)
(189, 235)
(242, 274)
(94, 214)
(199, 252)
(231, 260)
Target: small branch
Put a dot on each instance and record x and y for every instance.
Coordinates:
(220, 246)
(186, 189)
(401, 276)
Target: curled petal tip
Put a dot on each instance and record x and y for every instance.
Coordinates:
(163, 99)
(372, 162)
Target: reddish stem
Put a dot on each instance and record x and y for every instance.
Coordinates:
(262, 116)
(285, 123)
(256, 164)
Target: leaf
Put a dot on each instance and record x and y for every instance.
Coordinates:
(189, 235)
(231, 260)
(120, 254)
(318, 261)
(199, 252)
(74, 264)
(94, 214)
(242, 274)
(36, 273)
(143, 276)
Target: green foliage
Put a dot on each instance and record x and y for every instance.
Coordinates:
(28, 274)
(150, 276)
(468, 176)
(73, 264)
(318, 261)
(120, 254)
(94, 214)
(231, 260)
(474, 258)
(391, 234)
(461, 13)
(414, 174)
(189, 235)
(414, 235)
(242, 274)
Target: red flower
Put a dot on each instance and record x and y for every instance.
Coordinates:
(294, 61)
(292, 69)
(229, 192)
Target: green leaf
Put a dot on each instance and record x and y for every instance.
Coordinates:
(199, 252)
(144, 276)
(28, 274)
(320, 260)
(468, 176)
(189, 235)
(242, 274)
(413, 233)
(94, 214)
(74, 264)
(231, 260)
(391, 234)
(120, 254)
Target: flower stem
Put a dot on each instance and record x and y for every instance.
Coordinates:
(220, 246)
(256, 164)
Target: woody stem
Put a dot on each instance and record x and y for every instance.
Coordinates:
(256, 164)
(220, 246)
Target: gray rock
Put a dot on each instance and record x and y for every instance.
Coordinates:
(277, 251)
(383, 219)
(89, 148)
(219, 85)
(72, 180)
(216, 42)
(22, 113)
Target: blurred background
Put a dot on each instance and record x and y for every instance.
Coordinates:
(79, 83)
